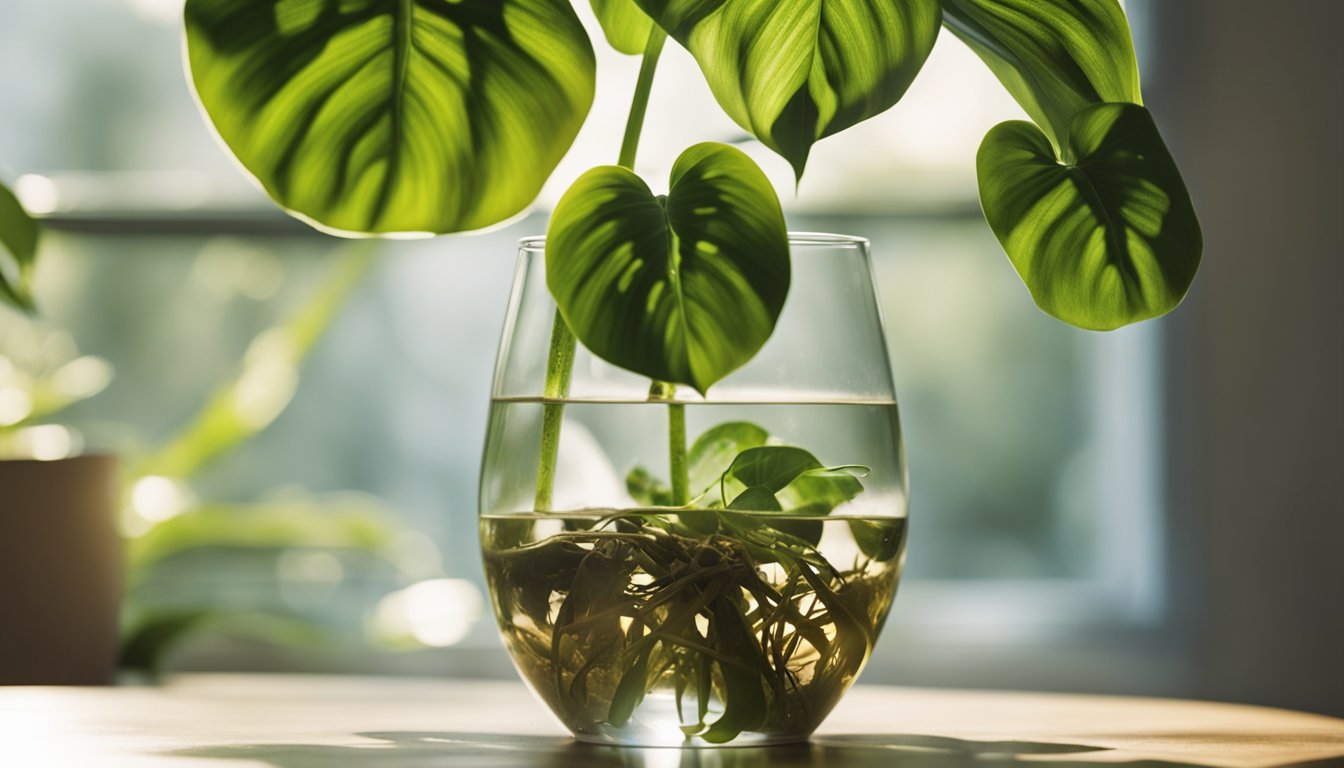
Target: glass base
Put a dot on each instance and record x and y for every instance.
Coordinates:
(657, 724)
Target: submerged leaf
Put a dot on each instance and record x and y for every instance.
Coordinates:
(744, 702)
(630, 690)
(756, 499)
(714, 450)
(646, 489)
(879, 539)
(772, 466)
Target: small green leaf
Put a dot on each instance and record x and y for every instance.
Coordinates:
(714, 450)
(646, 489)
(793, 73)
(682, 289)
(1055, 57)
(18, 250)
(772, 466)
(625, 25)
(879, 539)
(761, 499)
(757, 498)
(1106, 240)
(818, 493)
(394, 115)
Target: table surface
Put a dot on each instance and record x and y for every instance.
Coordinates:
(287, 721)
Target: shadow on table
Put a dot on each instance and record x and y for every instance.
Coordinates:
(441, 749)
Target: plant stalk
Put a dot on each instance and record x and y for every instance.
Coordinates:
(678, 467)
(559, 366)
(676, 450)
(560, 359)
(635, 124)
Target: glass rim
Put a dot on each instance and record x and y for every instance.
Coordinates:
(537, 243)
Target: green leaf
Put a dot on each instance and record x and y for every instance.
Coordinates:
(818, 493)
(795, 72)
(744, 702)
(714, 450)
(1106, 240)
(625, 25)
(394, 115)
(630, 690)
(757, 498)
(772, 466)
(646, 489)
(18, 250)
(1055, 57)
(761, 499)
(683, 288)
(879, 539)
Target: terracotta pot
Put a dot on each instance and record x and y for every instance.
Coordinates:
(60, 571)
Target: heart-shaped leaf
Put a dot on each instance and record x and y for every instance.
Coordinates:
(394, 115)
(772, 466)
(1054, 56)
(797, 71)
(625, 25)
(18, 249)
(683, 288)
(1108, 239)
(714, 450)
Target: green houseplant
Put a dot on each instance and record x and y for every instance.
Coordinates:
(396, 116)
(58, 509)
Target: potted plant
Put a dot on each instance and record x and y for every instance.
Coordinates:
(734, 596)
(60, 555)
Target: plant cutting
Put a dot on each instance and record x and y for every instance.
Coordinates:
(733, 595)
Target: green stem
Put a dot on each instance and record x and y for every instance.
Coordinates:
(635, 124)
(559, 366)
(560, 360)
(676, 446)
(676, 442)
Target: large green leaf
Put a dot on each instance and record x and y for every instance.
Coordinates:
(625, 25)
(18, 248)
(394, 115)
(1054, 56)
(683, 288)
(1108, 239)
(796, 71)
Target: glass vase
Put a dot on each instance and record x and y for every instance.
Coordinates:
(742, 615)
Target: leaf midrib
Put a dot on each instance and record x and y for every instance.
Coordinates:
(1117, 243)
(674, 282)
(403, 45)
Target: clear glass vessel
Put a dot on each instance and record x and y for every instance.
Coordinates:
(743, 615)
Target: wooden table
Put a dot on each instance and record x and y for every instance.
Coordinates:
(275, 721)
